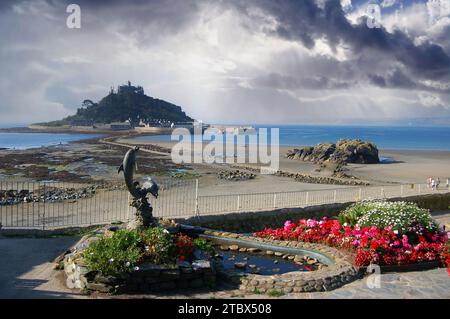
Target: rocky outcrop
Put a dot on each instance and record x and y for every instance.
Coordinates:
(235, 175)
(344, 151)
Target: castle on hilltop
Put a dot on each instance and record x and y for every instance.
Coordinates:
(128, 88)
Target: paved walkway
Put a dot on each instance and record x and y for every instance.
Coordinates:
(27, 270)
(433, 284)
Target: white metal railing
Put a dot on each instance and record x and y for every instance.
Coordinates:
(57, 204)
(218, 204)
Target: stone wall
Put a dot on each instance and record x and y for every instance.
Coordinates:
(257, 221)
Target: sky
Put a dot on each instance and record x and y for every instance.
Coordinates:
(234, 61)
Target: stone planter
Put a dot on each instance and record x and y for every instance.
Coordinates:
(147, 278)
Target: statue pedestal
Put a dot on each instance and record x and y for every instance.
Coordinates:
(143, 216)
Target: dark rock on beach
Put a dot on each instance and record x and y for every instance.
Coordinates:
(344, 151)
(235, 175)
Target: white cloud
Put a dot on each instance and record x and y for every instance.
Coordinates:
(388, 3)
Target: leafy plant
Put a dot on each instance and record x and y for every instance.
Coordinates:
(114, 255)
(399, 215)
(353, 213)
(204, 245)
(159, 246)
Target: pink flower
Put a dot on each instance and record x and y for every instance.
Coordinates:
(311, 223)
(405, 242)
(287, 224)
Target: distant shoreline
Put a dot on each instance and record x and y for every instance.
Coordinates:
(26, 129)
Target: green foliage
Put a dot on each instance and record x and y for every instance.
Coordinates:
(114, 255)
(204, 245)
(159, 246)
(353, 213)
(275, 293)
(382, 214)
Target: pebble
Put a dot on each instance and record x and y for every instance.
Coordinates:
(240, 265)
(278, 254)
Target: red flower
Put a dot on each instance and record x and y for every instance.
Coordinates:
(374, 244)
(370, 244)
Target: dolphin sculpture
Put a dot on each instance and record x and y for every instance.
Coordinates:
(128, 168)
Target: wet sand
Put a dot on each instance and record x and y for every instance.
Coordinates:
(407, 166)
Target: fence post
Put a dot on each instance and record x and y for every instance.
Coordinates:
(274, 200)
(401, 190)
(43, 215)
(382, 192)
(197, 213)
(238, 202)
(307, 198)
(419, 188)
(360, 194)
(335, 196)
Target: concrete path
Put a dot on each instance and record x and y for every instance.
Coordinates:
(430, 284)
(27, 270)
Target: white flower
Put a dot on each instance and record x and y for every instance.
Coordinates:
(111, 260)
(136, 268)
(127, 264)
(166, 231)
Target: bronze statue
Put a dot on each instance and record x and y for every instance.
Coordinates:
(144, 217)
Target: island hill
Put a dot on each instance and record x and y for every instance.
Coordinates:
(126, 108)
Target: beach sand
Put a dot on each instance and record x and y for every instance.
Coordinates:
(406, 166)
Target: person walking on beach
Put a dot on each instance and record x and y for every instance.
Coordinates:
(438, 181)
(448, 183)
(433, 184)
(429, 182)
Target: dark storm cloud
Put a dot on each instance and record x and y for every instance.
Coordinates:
(306, 21)
(286, 82)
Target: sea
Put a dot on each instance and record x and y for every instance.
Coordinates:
(385, 137)
(22, 141)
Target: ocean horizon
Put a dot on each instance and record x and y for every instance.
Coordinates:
(435, 138)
